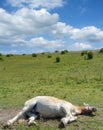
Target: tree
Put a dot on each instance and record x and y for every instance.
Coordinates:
(57, 59)
(34, 55)
(89, 55)
(0, 54)
(64, 51)
(49, 56)
(1, 59)
(83, 53)
(9, 55)
(101, 50)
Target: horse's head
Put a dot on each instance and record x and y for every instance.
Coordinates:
(89, 109)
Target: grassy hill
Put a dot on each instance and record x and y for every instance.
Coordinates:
(73, 78)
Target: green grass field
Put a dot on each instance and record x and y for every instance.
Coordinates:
(73, 78)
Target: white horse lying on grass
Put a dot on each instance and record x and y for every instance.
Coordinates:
(50, 107)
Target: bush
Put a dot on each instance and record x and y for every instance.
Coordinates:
(56, 51)
(0, 54)
(23, 54)
(49, 56)
(57, 59)
(65, 51)
(43, 53)
(34, 55)
(83, 53)
(9, 55)
(101, 50)
(89, 55)
(1, 59)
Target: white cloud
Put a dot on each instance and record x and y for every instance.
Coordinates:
(48, 4)
(21, 27)
(26, 27)
(86, 34)
(40, 43)
(44, 43)
(81, 46)
(26, 22)
(89, 34)
(60, 29)
(10, 52)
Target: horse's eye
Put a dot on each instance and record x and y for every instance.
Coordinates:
(94, 109)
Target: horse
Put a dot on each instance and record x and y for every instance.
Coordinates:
(51, 107)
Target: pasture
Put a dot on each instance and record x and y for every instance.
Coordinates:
(73, 78)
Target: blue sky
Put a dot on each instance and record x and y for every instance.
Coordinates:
(32, 26)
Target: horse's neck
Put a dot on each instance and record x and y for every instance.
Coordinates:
(79, 110)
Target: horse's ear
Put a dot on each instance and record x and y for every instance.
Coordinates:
(86, 105)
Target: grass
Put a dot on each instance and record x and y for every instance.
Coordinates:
(73, 79)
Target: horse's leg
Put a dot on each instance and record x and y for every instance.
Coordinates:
(72, 118)
(20, 115)
(67, 119)
(32, 119)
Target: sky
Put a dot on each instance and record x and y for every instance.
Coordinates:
(36, 26)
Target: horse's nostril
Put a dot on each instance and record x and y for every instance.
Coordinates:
(95, 109)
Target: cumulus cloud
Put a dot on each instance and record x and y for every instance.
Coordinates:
(44, 43)
(26, 22)
(81, 46)
(27, 26)
(39, 44)
(48, 4)
(22, 27)
(10, 52)
(61, 29)
(90, 34)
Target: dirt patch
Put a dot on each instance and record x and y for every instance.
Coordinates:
(81, 123)
(6, 114)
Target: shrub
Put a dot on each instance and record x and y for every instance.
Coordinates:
(57, 59)
(34, 55)
(0, 54)
(49, 56)
(9, 55)
(101, 50)
(56, 51)
(1, 59)
(89, 55)
(23, 54)
(43, 53)
(64, 51)
(83, 53)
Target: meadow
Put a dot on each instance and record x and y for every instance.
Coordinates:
(74, 79)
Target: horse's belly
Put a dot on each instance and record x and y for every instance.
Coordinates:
(48, 109)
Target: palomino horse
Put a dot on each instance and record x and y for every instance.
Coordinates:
(48, 106)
